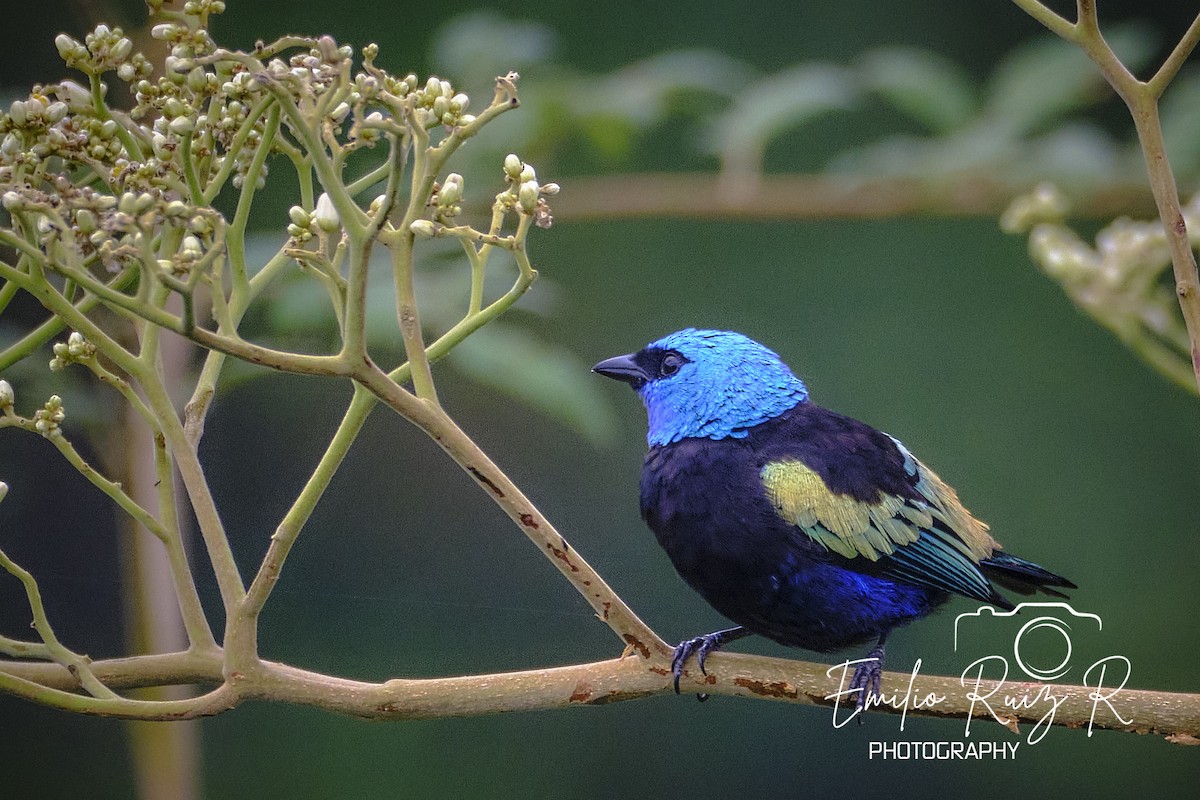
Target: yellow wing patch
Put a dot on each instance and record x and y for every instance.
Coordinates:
(872, 530)
(838, 521)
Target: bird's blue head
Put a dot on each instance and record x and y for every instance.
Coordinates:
(706, 384)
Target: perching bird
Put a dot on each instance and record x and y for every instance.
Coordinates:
(798, 523)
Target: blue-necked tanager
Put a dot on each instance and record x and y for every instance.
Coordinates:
(798, 523)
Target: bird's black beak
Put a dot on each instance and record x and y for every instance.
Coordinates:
(622, 368)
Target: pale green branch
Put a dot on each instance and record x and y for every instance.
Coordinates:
(239, 141)
(1170, 68)
(1142, 101)
(236, 237)
(1059, 25)
(76, 664)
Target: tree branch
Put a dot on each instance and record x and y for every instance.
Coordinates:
(790, 197)
(1174, 715)
(1142, 100)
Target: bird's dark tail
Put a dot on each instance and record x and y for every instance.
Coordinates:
(1023, 577)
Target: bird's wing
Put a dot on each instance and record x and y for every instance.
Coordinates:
(926, 538)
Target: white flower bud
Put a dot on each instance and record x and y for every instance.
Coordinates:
(74, 95)
(451, 191)
(326, 216)
(77, 346)
(56, 111)
(85, 221)
(340, 112)
(181, 125)
(190, 249)
(423, 227)
(7, 396)
(197, 79)
(528, 196)
(18, 112)
(69, 49)
(159, 143)
(513, 166)
(121, 50)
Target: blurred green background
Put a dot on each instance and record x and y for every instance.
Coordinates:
(938, 330)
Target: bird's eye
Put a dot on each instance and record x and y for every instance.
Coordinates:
(670, 365)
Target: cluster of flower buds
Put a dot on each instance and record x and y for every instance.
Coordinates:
(309, 75)
(322, 220)
(1116, 280)
(527, 192)
(438, 104)
(187, 42)
(103, 50)
(447, 197)
(35, 114)
(524, 195)
(1044, 204)
(49, 418)
(74, 350)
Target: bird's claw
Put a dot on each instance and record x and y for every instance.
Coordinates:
(866, 678)
(701, 647)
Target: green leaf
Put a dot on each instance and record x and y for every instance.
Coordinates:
(763, 110)
(474, 48)
(922, 84)
(642, 90)
(1046, 78)
(547, 377)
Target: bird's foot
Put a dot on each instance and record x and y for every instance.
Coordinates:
(866, 678)
(701, 647)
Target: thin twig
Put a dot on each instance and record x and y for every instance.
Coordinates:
(1142, 101)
